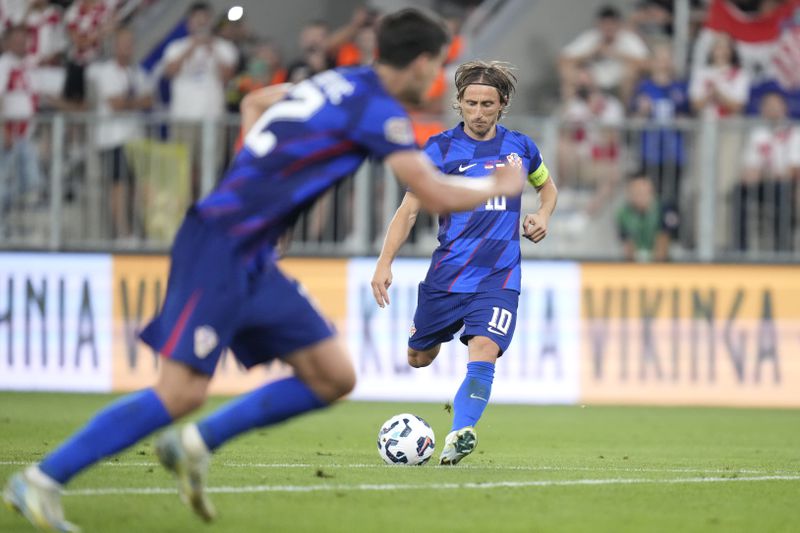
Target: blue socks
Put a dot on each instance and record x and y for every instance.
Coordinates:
(133, 417)
(270, 404)
(119, 425)
(473, 395)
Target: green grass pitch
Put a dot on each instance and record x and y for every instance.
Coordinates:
(535, 469)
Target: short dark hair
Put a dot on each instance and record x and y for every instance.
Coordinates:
(199, 6)
(497, 74)
(407, 34)
(608, 12)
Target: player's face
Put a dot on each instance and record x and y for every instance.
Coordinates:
(424, 70)
(480, 108)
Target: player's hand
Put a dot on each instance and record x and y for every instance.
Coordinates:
(534, 227)
(509, 179)
(381, 281)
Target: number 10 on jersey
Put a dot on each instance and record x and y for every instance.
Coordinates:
(498, 203)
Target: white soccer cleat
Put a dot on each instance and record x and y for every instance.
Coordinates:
(183, 452)
(457, 445)
(38, 498)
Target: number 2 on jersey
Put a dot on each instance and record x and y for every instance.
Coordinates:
(306, 99)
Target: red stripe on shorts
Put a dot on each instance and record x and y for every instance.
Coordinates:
(177, 331)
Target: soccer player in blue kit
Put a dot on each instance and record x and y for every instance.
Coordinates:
(225, 288)
(474, 277)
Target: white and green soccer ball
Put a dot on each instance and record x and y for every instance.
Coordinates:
(405, 439)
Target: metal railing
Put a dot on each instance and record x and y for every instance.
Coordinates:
(131, 197)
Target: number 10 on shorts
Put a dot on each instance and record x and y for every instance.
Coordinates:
(501, 321)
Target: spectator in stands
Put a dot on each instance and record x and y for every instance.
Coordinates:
(721, 87)
(661, 98)
(791, 96)
(589, 146)
(47, 39)
(646, 225)
(199, 67)
(765, 200)
(20, 178)
(354, 43)
(88, 23)
(264, 67)
(120, 87)
(652, 19)
(615, 55)
(313, 42)
(236, 32)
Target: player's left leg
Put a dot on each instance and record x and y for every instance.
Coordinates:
(323, 374)
(488, 328)
(471, 400)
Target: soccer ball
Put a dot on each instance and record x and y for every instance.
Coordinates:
(405, 439)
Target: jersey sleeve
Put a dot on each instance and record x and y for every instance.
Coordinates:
(537, 170)
(383, 128)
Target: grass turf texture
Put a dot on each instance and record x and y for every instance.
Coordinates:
(547, 469)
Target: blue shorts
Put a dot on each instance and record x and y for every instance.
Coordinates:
(440, 314)
(214, 302)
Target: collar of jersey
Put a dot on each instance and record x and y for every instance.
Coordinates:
(459, 133)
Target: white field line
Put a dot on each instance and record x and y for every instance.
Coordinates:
(432, 486)
(543, 468)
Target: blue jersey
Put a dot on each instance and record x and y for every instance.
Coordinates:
(479, 249)
(301, 146)
(668, 101)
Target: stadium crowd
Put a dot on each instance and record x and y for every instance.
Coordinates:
(623, 98)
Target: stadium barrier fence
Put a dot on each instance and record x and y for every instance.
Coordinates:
(67, 190)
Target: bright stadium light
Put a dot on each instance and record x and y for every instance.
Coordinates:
(235, 13)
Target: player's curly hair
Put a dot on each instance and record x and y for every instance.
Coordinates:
(497, 74)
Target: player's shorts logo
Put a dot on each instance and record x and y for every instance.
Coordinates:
(412, 330)
(205, 340)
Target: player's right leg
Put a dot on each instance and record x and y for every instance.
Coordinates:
(436, 319)
(36, 492)
(422, 358)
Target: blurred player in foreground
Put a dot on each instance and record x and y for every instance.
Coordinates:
(225, 289)
(474, 278)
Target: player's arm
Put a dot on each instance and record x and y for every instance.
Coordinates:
(534, 226)
(255, 103)
(439, 193)
(396, 235)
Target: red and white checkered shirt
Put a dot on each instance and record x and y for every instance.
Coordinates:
(86, 18)
(17, 94)
(45, 33)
